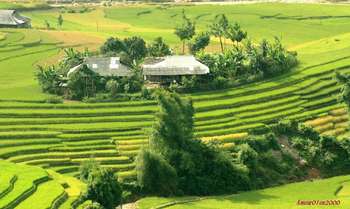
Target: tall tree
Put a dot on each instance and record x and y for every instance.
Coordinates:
(235, 33)
(200, 42)
(135, 48)
(158, 48)
(186, 31)
(200, 169)
(219, 28)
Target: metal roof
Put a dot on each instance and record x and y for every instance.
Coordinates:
(175, 65)
(105, 66)
(11, 17)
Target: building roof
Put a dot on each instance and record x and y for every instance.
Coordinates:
(11, 17)
(175, 65)
(104, 66)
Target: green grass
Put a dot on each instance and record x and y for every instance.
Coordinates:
(285, 196)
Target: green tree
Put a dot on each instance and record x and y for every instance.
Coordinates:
(344, 80)
(219, 28)
(83, 83)
(201, 169)
(155, 175)
(112, 86)
(200, 42)
(88, 167)
(130, 50)
(71, 58)
(103, 187)
(48, 79)
(112, 46)
(174, 126)
(235, 33)
(158, 48)
(60, 20)
(186, 31)
(135, 48)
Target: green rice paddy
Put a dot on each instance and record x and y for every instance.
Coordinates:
(58, 137)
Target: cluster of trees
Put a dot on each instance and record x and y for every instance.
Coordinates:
(133, 50)
(243, 64)
(178, 163)
(84, 84)
(240, 63)
(325, 153)
(103, 188)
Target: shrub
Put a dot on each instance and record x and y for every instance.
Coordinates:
(112, 86)
(201, 169)
(86, 168)
(48, 79)
(200, 42)
(103, 187)
(94, 205)
(98, 98)
(146, 93)
(54, 100)
(158, 48)
(83, 83)
(155, 175)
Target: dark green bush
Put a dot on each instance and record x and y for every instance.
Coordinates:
(155, 175)
(54, 100)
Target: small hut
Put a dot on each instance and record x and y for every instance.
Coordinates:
(12, 19)
(104, 66)
(172, 68)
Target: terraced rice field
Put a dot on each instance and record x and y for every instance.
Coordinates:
(23, 186)
(61, 136)
(334, 123)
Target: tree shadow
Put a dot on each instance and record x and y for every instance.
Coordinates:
(252, 197)
(297, 17)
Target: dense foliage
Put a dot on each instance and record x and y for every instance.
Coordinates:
(131, 50)
(242, 64)
(185, 31)
(325, 153)
(102, 186)
(200, 169)
(158, 48)
(155, 175)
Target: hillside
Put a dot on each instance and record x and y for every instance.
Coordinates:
(32, 185)
(58, 137)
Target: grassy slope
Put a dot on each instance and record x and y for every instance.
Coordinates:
(61, 136)
(278, 20)
(41, 197)
(285, 196)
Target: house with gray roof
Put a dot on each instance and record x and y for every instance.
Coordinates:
(172, 68)
(165, 69)
(104, 66)
(12, 19)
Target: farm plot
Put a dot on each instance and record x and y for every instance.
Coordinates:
(61, 136)
(23, 186)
